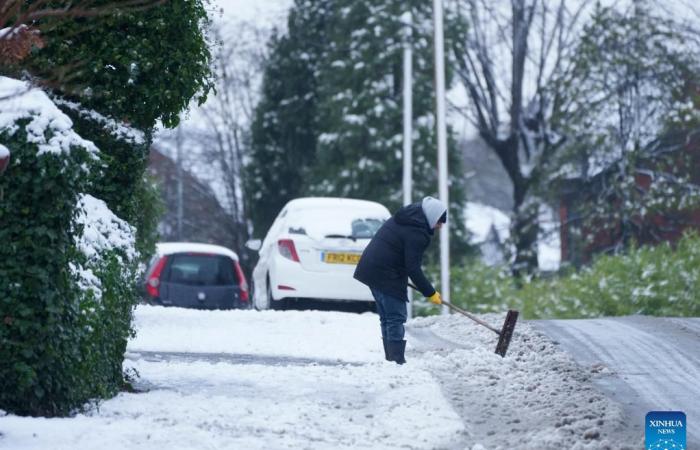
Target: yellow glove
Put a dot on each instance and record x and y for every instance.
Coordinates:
(435, 298)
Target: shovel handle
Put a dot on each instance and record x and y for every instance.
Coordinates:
(471, 316)
(464, 313)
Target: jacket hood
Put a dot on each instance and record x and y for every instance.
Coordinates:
(433, 209)
(412, 215)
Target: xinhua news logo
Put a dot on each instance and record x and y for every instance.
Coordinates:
(665, 430)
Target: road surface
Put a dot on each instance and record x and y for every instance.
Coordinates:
(646, 363)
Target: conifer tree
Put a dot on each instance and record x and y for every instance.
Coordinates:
(340, 132)
(283, 135)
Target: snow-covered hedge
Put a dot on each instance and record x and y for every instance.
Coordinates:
(120, 181)
(67, 265)
(659, 281)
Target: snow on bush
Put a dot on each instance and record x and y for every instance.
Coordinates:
(22, 101)
(119, 130)
(102, 232)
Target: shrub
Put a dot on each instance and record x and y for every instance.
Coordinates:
(67, 267)
(107, 264)
(139, 65)
(659, 281)
(120, 182)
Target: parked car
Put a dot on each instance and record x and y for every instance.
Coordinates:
(311, 250)
(193, 275)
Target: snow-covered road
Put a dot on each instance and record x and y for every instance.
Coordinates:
(317, 380)
(646, 363)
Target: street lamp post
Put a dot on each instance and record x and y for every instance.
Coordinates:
(407, 21)
(442, 146)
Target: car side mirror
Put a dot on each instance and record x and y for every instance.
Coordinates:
(254, 244)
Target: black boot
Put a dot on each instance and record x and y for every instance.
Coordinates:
(396, 350)
(386, 351)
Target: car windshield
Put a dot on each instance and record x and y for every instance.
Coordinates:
(336, 223)
(201, 270)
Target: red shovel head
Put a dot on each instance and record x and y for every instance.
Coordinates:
(4, 162)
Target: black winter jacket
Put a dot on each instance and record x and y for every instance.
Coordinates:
(396, 253)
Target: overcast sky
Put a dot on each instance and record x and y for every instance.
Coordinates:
(263, 12)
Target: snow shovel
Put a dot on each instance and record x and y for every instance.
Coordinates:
(504, 335)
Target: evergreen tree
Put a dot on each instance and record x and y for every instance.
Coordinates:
(283, 135)
(350, 107)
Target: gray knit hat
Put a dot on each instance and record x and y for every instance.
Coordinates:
(434, 209)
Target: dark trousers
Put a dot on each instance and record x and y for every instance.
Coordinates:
(392, 315)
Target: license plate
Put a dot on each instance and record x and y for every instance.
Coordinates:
(341, 258)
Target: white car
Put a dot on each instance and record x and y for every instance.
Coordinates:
(311, 250)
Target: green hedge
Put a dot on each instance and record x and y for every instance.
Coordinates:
(121, 181)
(61, 341)
(140, 66)
(658, 281)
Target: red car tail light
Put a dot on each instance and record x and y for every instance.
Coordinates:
(287, 249)
(241, 281)
(153, 283)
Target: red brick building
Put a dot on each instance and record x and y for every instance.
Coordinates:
(581, 239)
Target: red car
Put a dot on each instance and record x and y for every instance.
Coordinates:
(192, 275)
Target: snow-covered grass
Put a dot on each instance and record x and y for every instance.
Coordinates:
(310, 379)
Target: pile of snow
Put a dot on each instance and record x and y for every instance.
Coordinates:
(535, 398)
(4, 151)
(102, 231)
(19, 100)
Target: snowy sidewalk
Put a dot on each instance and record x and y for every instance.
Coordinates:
(317, 380)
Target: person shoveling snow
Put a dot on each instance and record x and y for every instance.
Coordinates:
(394, 254)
